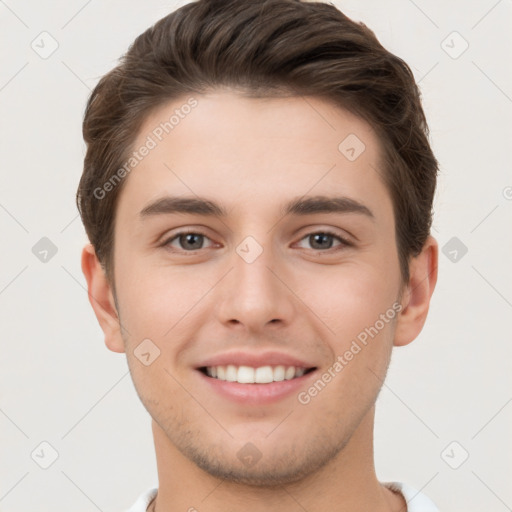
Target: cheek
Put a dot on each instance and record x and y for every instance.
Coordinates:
(360, 312)
(154, 298)
(354, 298)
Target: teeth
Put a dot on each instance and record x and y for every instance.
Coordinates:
(279, 373)
(249, 375)
(245, 375)
(300, 372)
(231, 373)
(289, 373)
(264, 375)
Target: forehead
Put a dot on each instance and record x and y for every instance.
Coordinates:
(235, 148)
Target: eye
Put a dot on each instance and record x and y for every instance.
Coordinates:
(323, 240)
(188, 241)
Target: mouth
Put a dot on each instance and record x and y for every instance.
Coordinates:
(254, 378)
(251, 375)
(249, 386)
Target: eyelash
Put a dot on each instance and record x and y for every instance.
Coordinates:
(344, 242)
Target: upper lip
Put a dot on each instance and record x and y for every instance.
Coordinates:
(256, 360)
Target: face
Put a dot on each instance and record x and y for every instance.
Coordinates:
(256, 241)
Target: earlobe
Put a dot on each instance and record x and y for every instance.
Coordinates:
(102, 299)
(417, 293)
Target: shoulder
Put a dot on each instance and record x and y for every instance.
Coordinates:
(416, 500)
(143, 500)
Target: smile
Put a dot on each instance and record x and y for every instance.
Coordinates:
(250, 375)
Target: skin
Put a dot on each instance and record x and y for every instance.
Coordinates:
(301, 298)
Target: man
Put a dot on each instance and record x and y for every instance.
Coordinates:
(289, 149)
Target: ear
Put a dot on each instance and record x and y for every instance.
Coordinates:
(102, 299)
(417, 293)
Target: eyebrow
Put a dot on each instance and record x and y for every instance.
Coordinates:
(299, 206)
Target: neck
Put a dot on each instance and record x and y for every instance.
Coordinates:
(348, 480)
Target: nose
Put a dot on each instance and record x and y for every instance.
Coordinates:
(255, 293)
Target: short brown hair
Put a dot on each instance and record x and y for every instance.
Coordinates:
(263, 49)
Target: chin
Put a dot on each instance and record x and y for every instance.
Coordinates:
(272, 467)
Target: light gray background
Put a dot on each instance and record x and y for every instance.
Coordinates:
(59, 383)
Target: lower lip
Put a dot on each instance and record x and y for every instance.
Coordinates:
(257, 394)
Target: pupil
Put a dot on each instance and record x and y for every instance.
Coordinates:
(322, 237)
(189, 240)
